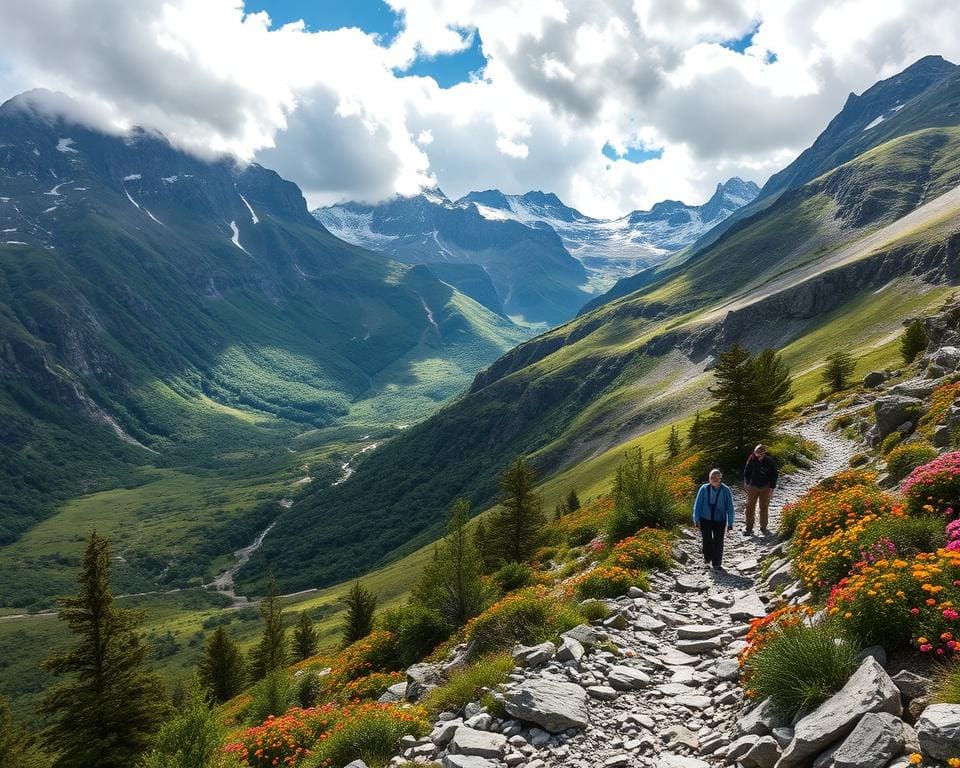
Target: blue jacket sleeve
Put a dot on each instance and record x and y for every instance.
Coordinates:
(698, 505)
(730, 509)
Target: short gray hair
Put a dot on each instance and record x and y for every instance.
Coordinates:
(715, 472)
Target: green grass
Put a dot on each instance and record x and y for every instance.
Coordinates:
(467, 684)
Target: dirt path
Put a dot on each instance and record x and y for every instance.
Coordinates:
(684, 635)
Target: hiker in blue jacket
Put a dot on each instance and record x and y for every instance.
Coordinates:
(713, 515)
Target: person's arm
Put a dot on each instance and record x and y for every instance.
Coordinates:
(730, 509)
(696, 507)
(748, 471)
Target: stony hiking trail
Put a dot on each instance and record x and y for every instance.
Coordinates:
(671, 697)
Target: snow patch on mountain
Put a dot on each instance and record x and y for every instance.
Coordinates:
(873, 123)
(65, 145)
(253, 216)
(235, 237)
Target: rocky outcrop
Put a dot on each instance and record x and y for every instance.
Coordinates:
(554, 705)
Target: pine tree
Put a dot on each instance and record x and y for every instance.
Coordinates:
(774, 389)
(106, 714)
(573, 501)
(304, 637)
(694, 435)
(271, 652)
(358, 621)
(839, 368)
(729, 429)
(222, 670)
(451, 581)
(518, 523)
(673, 442)
(559, 510)
(913, 342)
(488, 557)
(18, 747)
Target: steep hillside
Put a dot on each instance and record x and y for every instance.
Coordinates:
(638, 363)
(924, 95)
(160, 310)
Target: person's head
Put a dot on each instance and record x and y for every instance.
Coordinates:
(715, 477)
(760, 451)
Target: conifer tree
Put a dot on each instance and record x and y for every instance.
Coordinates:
(774, 389)
(839, 368)
(673, 442)
(451, 581)
(913, 342)
(222, 670)
(271, 652)
(694, 435)
(304, 637)
(573, 501)
(358, 621)
(18, 747)
(518, 523)
(730, 427)
(107, 712)
(488, 558)
(559, 510)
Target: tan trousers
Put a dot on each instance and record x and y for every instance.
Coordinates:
(754, 495)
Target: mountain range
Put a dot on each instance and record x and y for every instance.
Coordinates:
(166, 316)
(544, 258)
(859, 235)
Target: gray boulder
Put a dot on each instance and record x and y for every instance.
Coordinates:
(869, 689)
(393, 694)
(420, 679)
(552, 704)
(467, 761)
(587, 636)
(763, 754)
(467, 741)
(874, 741)
(698, 631)
(570, 650)
(740, 747)
(912, 685)
(624, 678)
(762, 719)
(748, 607)
(443, 731)
(782, 577)
(874, 379)
(893, 410)
(671, 760)
(356, 764)
(938, 729)
(533, 656)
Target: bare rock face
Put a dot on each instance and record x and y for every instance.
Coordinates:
(877, 738)
(869, 689)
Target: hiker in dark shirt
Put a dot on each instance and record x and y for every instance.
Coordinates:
(713, 515)
(759, 481)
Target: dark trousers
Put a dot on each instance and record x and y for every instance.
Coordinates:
(713, 532)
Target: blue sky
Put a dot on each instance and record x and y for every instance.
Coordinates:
(372, 16)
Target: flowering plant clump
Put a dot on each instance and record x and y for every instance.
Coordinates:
(606, 581)
(527, 616)
(833, 510)
(903, 459)
(371, 686)
(953, 534)
(284, 740)
(806, 505)
(648, 548)
(368, 732)
(940, 401)
(374, 653)
(763, 630)
(824, 561)
(935, 486)
(588, 522)
(903, 603)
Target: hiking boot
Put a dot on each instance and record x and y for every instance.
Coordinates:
(765, 531)
(748, 531)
